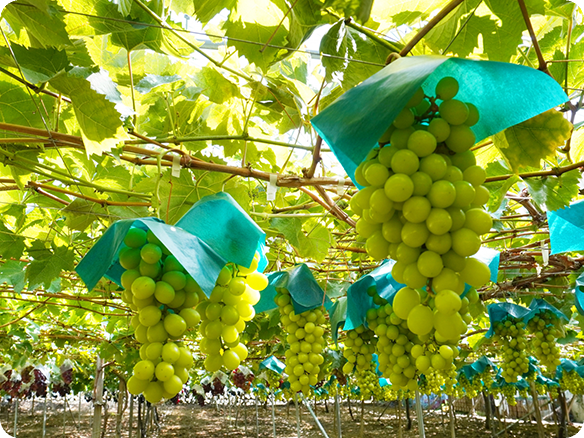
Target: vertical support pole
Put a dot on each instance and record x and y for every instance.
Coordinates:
(98, 400)
(64, 413)
(297, 416)
(79, 410)
(420, 415)
(274, 413)
(400, 429)
(338, 414)
(45, 417)
(451, 413)
(14, 431)
(257, 418)
(535, 399)
(121, 399)
(362, 424)
(131, 420)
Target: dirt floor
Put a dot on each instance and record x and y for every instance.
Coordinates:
(185, 421)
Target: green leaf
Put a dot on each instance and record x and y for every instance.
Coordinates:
(79, 214)
(100, 123)
(150, 82)
(554, 191)
(205, 10)
(215, 86)
(40, 65)
(498, 190)
(48, 266)
(258, 21)
(141, 37)
(12, 273)
(314, 246)
(526, 144)
(11, 244)
(45, 26)
(17, 107)
(342, 42)
(177, 195)
(125, 6)
(501, 44)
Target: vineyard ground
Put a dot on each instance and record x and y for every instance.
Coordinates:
(186, 420)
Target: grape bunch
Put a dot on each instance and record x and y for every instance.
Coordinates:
(545, 328)
(367, 381)
(305, 338)
(404, 351)
(511, 335)
(573, 382)
(163, 295)
(66, 374)
(225, 313)
(359, 349)
(242, 380)
(39, 385)
(422, 205)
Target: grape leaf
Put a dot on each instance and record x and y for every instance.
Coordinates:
(258, 21)
(12, 273)
(17, 107)
(44, 269)
(46, 26)
(205, 10)
(215, 86)
(554, 191)
(314, 246)
(527, 143)
(501, 44)
(40, 65)
(498, 190)
(141, 37)
(100, 123)
(341, 42)
(11, 244)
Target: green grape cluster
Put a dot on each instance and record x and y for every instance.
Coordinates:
(509, 391)
(470, 387)
(163, 296)
(225, 313)
(368, 383)
(305, 338)
(511, 336)
(573, 382)
(545, 328)
(422, 205)
(432, 382)
(359, 348)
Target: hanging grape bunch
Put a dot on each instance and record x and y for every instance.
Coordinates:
(510, 334)
(225, 313)
(546, 328)
(163, 295)
(359, 348)
(305, 338)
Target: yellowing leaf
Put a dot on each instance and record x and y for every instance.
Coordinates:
(527, 143)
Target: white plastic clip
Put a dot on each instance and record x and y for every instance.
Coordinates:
(341, 187)
(176, 166)
(545, 253)
(272, 187)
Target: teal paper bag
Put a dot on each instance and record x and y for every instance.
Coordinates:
(352, 125)
(198, 259)
(566, 228)
(221, 222)
(274, 364)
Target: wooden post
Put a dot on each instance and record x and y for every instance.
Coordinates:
(563, 432)
(64, 413)
(131, 420)
(45, 417)
(535, 399)
(98, 399)
(274, 413)
(338, 414)
(408, 416)
(451, 413)
(400, 429)
(420, 415)
(361, 424)
(121, 398)
(297, 415)
(14, 431)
